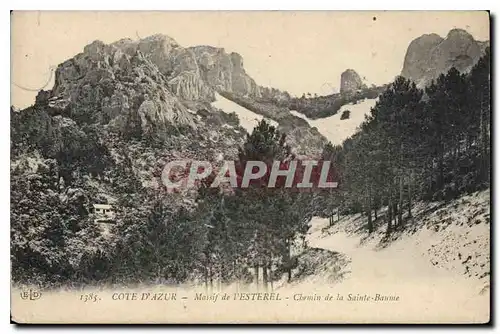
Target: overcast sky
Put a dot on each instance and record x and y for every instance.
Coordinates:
(295, 51)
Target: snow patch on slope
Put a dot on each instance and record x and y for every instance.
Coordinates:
(337, 130)
(248, 119)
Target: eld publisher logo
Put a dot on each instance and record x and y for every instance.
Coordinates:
(31, 294)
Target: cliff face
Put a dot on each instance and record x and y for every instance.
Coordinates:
(417, 57)
(224, 72)
(430, 55)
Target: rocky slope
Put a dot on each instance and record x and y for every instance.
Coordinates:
(430, 55)
(224, 72)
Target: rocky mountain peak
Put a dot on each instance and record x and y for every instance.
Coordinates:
(224, 72)
(113, 79)
(430, 55)
(109, 84)
(350, 82)
(459, 33)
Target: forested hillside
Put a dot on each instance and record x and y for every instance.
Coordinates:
(429, 144)
(221, 237)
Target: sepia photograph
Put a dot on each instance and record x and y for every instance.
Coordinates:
(250, 167)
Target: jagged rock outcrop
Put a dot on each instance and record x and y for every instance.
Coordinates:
(416, 63)
(224, 72)
(242, 83)
(154, 88)
(350, 82)
(111, 82)
(430, 55)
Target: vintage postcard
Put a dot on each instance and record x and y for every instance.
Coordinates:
(250, 167)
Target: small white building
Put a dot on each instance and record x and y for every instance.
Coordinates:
(104, 213)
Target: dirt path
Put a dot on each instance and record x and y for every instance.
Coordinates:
(426, 291)
(391, 265)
